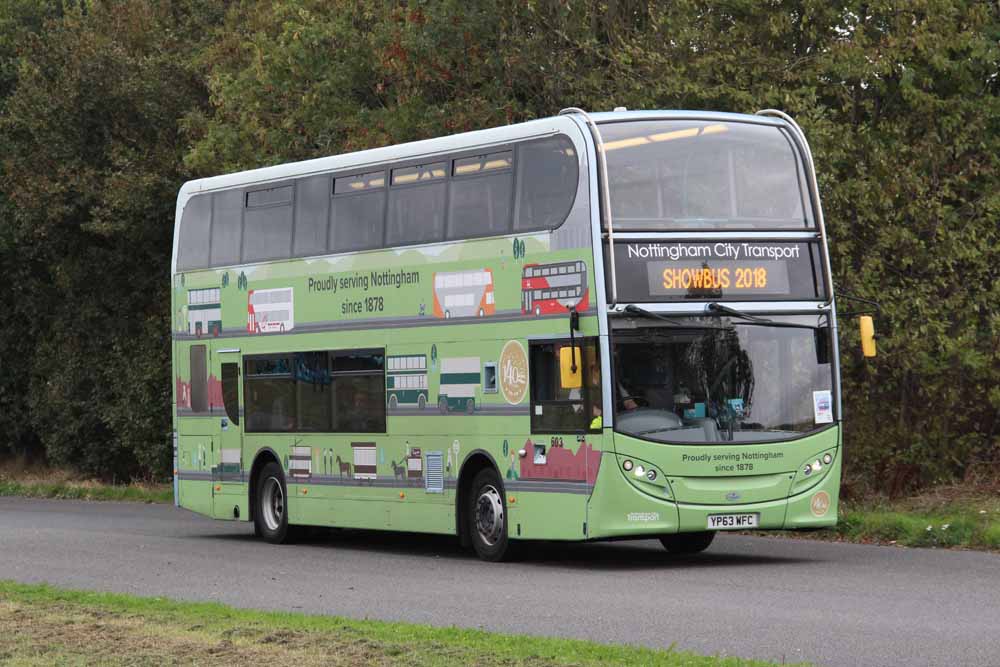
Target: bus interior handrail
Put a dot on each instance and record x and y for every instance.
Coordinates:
(606, 200)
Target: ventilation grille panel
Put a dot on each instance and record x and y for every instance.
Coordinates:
(434, 473)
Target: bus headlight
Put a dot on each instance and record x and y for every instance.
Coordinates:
(807, 469)
(828, 458)
(626, 465)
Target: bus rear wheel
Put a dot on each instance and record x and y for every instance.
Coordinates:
(487, 518)
(271, 505)
(687, 543)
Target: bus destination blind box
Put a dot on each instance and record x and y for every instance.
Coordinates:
(649, 271)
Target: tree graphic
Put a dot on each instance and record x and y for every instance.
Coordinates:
(241, 282)
(225, 279)
(519, 249)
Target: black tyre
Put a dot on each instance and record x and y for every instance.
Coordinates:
(687, 543)
(270, 517)
(487, 517)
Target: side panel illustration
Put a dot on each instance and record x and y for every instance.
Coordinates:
(270, 310)
(464, 293)
(554, 288)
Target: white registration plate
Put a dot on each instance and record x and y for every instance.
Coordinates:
(733, 521)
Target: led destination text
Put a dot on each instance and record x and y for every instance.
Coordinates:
(656, 270)
(737, 251)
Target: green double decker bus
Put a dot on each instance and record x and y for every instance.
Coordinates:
(586, 327)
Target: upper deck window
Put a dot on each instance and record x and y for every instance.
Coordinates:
(267, 224)
(479, 200)
(672, 175)
(417, 204)
(547, 178)
(527, 186)
(358, 212)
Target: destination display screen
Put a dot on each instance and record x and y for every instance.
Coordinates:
(718, 270)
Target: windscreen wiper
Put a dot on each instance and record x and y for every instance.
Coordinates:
(642, 312)
(719, 309)
(632, 309)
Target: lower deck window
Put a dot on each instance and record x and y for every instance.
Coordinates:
(318, 392)
(556, 408)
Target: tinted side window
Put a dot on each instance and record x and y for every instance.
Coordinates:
(316, 392)
(192, 246)
(312, 391)
(559, 409)
(269, 394)
(359, 391)
(547, 178)
(358, 212)
(227, 227)
(312, 211)
(199, 379)
(267, 224)
(479, 199)
(231, 391)
(417, 204)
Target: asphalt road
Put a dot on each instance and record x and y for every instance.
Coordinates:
(791, 600)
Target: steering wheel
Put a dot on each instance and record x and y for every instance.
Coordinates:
(640, 401)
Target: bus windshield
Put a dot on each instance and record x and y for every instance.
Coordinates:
(670, 175)
(722, 379)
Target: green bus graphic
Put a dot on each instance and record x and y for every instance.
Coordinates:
(406, 380)
(204, 312)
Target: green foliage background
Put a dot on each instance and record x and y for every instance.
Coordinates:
(107, 107)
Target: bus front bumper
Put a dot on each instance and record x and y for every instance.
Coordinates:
(626, 505)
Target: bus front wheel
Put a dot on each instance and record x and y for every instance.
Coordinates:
(271, 505)
(487, 513)
(687, 543)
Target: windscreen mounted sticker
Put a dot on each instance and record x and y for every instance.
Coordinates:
(823, 406)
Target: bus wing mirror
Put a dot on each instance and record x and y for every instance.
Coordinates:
(821, 338)
(570, 368)
(867, 326)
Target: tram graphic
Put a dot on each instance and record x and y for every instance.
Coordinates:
(460, 378)
(204, 308)
(406, 380)
(464, 293)
(554, 288)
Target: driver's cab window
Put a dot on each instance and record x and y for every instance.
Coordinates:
(564, 401)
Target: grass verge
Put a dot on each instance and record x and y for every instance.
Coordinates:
(944, 517)
(42, 625)
(88, 491)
